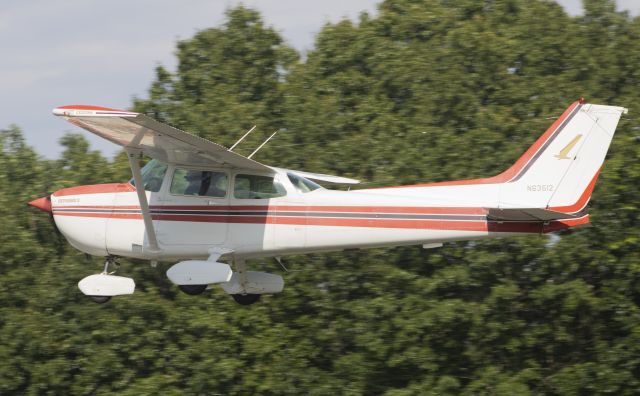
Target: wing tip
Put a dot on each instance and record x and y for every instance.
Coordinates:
(91, 111)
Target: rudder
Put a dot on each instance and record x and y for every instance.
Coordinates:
(559, 171)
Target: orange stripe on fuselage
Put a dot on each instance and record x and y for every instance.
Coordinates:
(95, 189)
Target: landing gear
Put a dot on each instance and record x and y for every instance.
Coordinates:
(241, 272)
(110, 260)
(101, 287)
(193, 277)
(246, 299)
(193, 290)
(246, 287)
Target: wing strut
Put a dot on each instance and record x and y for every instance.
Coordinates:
(134, 161)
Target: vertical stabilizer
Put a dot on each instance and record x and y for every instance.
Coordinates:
(559, 171)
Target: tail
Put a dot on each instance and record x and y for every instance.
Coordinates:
(559, 171)
(551, 183)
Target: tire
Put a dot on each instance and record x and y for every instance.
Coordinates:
(193, 290)
(100, 299)
(246, 299)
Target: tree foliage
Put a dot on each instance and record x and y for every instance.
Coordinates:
(422, 91)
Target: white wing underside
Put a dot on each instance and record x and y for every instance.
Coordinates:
(155, 139)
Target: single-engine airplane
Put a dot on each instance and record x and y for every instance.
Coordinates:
(208, 208)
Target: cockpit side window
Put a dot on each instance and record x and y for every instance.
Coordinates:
(301, 184)
(152, 175)
(199, 182)
(257, 187)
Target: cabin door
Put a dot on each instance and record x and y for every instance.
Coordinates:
(193, 209)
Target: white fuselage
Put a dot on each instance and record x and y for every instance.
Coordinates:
(207, 198)
(106, 220)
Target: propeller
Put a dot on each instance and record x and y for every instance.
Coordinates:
(44, 204)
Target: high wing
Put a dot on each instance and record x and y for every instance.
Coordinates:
(155, 139)
(139, 134)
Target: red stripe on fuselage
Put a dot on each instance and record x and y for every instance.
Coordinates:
(449, 225)
(287, 208)
(95, 189)
(94, 108)
(100, 215)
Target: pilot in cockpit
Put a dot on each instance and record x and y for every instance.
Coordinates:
(206, 183)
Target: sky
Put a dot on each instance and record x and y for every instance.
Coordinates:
(104, 53)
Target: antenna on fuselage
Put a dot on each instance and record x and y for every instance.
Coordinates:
(242, 138)
(263, 143)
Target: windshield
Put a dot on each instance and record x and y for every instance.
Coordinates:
(152, 175)
(301, 184)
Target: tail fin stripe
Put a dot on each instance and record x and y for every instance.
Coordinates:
(581, 203)
(522, 164)
(545, 141)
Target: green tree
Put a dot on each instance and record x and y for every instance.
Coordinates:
(421, 91)
(227, 80)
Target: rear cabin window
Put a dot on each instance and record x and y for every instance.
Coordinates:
(152, 175)
(199, 183)
(257, 187)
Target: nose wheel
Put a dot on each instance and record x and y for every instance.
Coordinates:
(110, 260)
(101, 287)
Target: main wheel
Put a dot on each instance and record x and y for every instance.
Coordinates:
(100, 299)
(246, 299)
(193, 290)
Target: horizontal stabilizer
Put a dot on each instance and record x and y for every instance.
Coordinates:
(527, 214)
